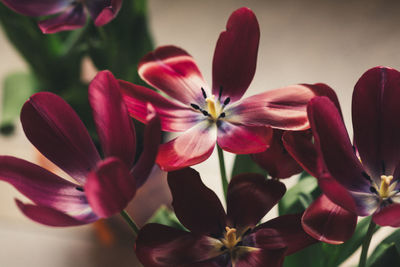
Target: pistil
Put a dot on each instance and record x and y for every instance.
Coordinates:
(384, 189)
(230, 239)
(213, 107)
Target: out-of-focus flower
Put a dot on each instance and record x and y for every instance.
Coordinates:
(102, 187)
(366, 175)
(207, 116)
(217, 238)
(72, 14)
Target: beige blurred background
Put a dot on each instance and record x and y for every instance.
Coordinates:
(304, 41)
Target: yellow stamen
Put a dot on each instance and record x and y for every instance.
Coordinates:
(230, 239)
(211, 106)
(384, 190)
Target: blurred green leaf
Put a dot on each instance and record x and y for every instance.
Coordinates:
(244, 163)
(387, 253)
(166, 216)
(17, 88)
(311, 256)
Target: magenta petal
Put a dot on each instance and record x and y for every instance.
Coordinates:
(152, 139)
(261, 258)
(283, 231)
(173, 71)
(110, 187)
(331, 135)
(376, 127)
(250, 196)
(37, 7)
(276, 160)
(163, 246)
(49, 216)
(192, 147)
(174, 116)
(43, 187)
(71, 19)
(283, 108)
(114, 126)
(328, 222)
(242, 139)
(196, 206)
(235, 55)
(388, 216)
(56, 131)
(103, 11)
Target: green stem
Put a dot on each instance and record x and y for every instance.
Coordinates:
(130, 222)
(222, 169)
(74, 39)
(365, 246)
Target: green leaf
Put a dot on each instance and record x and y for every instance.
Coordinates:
(300, 196)
(17, 88)
(244, 163)
(311, 256)
(388, 251)
(166, 216)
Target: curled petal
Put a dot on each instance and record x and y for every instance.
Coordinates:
(52, 217)
(56, 131)
(250, 196)
(173, 71)
(110, 187)
(235, 55)
(331, 136)
(103, 11)
(388, 216)
(114, 126)
(197, 207)
(71, 19)
(163, 246)
(152, 139)
(190, 148)
(174, 116)
(283, 108)
(328, 222)
(37, 7)
(376, 128)
(276, 160)
(242, 139)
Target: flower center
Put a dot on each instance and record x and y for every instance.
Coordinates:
(230, 239)
(214, 108)
(386, 189)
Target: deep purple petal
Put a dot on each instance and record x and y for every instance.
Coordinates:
(103, 11)
(242, 139)
(331, 136)
(376, 125)
(114, 126)
(388, 216)
(43, 187)
(174, 116)
(261, 258)
(321, 89)
(283, 108)
(197, 207)
(37, 7)
(276, 160)
(173, 71)
(235, 55)
(250, 196)
(190, 148)
(71, 19)
(152, 139)
(51, 217)
(328, 222)
(110, 187)
(163, 246)
(283, 231)
(56, 131)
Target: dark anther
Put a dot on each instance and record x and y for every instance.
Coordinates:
(383, 167)
(222, 248)
(205, 113)
(227, 100)
(373, 190)
(79, 189)
(222, 115)
(220, 93)
(240, 243)
(195, 106)
(389, 200)
(366, 176)
(204, 92)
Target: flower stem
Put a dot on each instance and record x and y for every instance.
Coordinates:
(222, 169)
(128, 219)
(365, 246)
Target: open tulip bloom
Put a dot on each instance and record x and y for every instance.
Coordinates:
(72, 14)
(102, 187)
(223, 239)
(217, 115)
